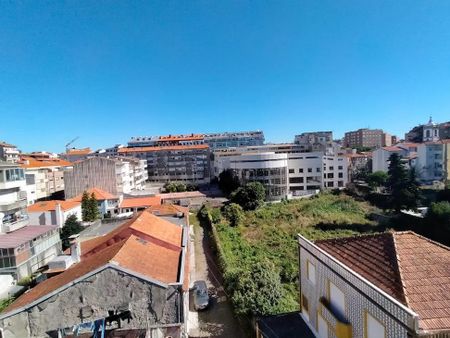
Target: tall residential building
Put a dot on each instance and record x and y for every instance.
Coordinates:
(315, 141)
(9, 152)
(364, 138)
(24, 248)
(234, 139)
(44, 177)
(172, 158)
(117, 175)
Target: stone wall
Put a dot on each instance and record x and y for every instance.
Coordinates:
(90, 299)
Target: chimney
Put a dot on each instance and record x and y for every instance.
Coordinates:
(75, 249)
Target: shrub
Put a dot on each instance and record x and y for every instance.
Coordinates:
(228, 181)
(249, 197)
(234, 214)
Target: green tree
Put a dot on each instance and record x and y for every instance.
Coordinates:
(228, 181)
(403, 186)
(256, 290)
(176, 187)
(94, 213)
(438, 221)
(234, 214)
(71, 226)
(377, 179)
(249, 197)
(85, 207)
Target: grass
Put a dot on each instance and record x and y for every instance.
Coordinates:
(271, 233)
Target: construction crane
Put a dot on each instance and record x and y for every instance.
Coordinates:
(69, 143)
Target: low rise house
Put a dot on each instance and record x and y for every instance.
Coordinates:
(107, 284)
(392, 285)
(73, 155)
(108, 204)
(53, 212)
(407, 151)
(185, 199)
(139, 203)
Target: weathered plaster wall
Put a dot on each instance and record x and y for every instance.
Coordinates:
(91, 299)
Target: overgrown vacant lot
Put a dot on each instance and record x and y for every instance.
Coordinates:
(270, 233)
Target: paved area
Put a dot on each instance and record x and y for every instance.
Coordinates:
(99, 229)
(218, 320)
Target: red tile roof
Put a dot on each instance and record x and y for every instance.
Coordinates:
(30, 162)
(51, 205)
(164, 148)
(99, 194)
(147, 245)
(411, 268)
(138, 202)
(83, 151)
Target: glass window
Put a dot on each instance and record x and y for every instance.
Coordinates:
(374, 328)
(311, 272)
(337, 299)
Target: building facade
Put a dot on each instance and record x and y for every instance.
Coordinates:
(364, 138)
(430, 162)
(234, 139)
(368, 286)
(315, 141)
(24, 248)
(117, 175)
(53, 212)
(9, 152)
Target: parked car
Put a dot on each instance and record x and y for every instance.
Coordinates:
(201, 297)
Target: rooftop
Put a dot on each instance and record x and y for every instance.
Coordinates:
(412, 269)
(141, 202)
(30, 162)
(181, 195)
(83, 151)
(156, 242)
(23, 235)
(51, 205)
(99, 194)
(164, 148)
(286, 325)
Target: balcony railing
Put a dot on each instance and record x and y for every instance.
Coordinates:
(15, 205)
(15, 225)
(342, 328)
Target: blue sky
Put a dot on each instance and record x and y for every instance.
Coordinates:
(109, 70)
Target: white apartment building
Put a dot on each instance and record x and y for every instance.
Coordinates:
(286, 174)
(24, 248)
(9, 152)
(430, 162)
(118, 175)
(408, 152)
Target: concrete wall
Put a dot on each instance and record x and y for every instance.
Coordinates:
(90, 299)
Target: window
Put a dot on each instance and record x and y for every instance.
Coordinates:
(305, 307)
(322, 327)
(331, 168)
(340, 167)
(336, 298)
(372, 327)
(340, 175)
(311, 272)
(318, 170)
(310, 170)
(300, 170)
(291, 171)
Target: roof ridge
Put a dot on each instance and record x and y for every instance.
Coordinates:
(399, 268)
(422, 237)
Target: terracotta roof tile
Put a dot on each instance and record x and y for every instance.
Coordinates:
(99, 194)
(411, 268)
(147, 245)
(51, 205)
(30, 162)
(141, 202)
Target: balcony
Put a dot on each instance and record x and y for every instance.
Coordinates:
(21, 204)
(15, 225)
(342, 328)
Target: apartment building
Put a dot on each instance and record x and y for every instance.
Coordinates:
(389, 285)
(109, 152)
(74, 154)
(234, 139)
(286, 174)
(24, 248)
(172, 158)
(407, 151)
(430, 162)
(446, 161)
(44, 177)
(315, 141)
(134, 281)
(119, 175)
(9, 152)
(364, 138)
